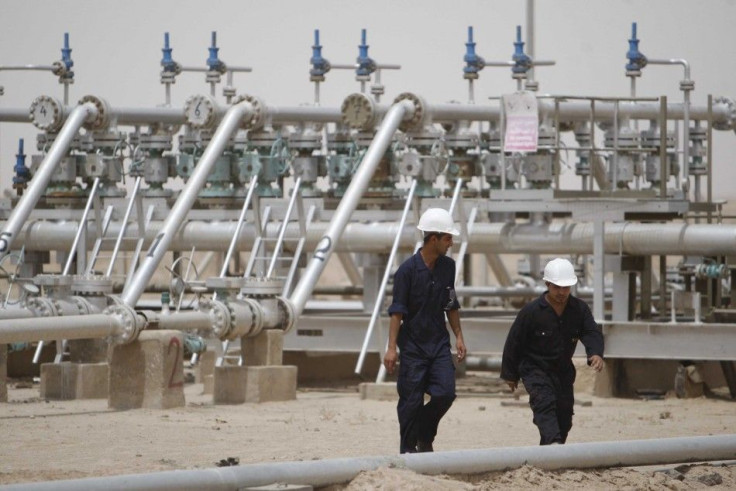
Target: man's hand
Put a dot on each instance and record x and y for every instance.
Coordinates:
(461, 351)
(512, 385)
(389, 360)
(596, 363)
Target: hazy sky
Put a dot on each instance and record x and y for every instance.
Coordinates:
(117, 50)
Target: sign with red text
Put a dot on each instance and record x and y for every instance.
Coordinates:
(522, 122)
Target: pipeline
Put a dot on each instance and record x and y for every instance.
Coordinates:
(336, 471)
(556, 238)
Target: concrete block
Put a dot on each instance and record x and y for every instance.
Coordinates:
(149, 372)
(205, 366)
(229, 385)
(208, 384)
(59, 381)
(385, 391)
(88, 350)
(3, 373)
(92, 380)
(265, 349)
(236, 385)
(273, 383)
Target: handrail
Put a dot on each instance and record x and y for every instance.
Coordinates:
(386, 274)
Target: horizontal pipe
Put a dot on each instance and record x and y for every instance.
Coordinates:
(50, 328)
(337, 471)
(502, 238)
(188, 321)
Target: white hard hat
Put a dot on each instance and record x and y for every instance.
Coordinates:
(437, 220)
(560, 272)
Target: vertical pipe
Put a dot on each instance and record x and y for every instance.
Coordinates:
(709, 156)
(664, 171)
(530, 36)
(598, 270)
(349, 202)
(158, 248)
(41, 178)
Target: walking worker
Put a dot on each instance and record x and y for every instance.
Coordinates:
(423, 294)
(539, 350)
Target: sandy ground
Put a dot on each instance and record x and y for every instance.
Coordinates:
(49, 440)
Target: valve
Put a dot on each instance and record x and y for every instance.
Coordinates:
(64, 67)
(366, 65)
(522, 62)
(473, 62)
(320, 65)
(22, 173)
(213, 62)
(170, 67)
(637, 60)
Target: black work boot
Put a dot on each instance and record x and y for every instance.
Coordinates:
(424, 446)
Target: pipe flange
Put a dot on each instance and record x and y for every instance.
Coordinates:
(258, 112)
(102, 119)
(219, 315)
(127, 320)
(47, 113)
(247, 318)
(359, 112)
(41, 307)
(287, 312)
(731, 123)
(200, 111)
(417, 119)
(83, 306)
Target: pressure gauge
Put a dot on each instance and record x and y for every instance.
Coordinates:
(200, 111)
(358, 111)
(47, 113)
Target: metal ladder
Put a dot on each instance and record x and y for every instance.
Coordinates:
(268, 256)
(133, 200)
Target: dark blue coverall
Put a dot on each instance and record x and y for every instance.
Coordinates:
(425, 360)
(539, 350)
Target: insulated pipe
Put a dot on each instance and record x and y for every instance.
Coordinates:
(37, 185)
(502, 238)
(184, 203)
(349, 202)
(338, 471)
(65, 327)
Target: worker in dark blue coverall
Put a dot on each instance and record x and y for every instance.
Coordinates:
(540, 346)
(423, 293)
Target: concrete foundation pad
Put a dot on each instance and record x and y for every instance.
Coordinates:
(3, 373)
(236, 385)
(385, 391)
(67, 381)
(148, 373)
(265, 349)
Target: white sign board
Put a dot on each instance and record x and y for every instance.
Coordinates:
(522, 122)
